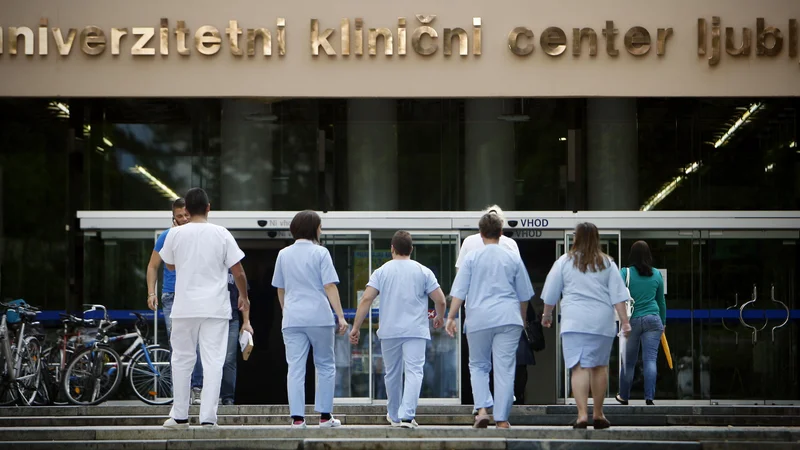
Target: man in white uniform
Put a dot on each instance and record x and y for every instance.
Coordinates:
(201, 254)
(475, 242)
(404, 286)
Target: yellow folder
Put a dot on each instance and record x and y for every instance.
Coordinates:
(665, 346)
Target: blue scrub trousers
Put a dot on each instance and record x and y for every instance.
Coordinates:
(397, 353)
(494, 348)
(298, 340)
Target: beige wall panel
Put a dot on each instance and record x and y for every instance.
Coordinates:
(496, 72)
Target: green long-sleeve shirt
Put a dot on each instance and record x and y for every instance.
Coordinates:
(647, 293)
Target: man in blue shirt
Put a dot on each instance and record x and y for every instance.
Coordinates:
(179, 217)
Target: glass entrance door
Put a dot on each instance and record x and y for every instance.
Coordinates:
(437, 251)
(350, 252)
(610, 245)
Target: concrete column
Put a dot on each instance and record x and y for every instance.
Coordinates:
(246, 155)
(372, 155)
(612, 155)
(489, 176)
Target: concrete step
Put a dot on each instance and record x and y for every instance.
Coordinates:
(267, 410)
(423, 419)
(526, 433)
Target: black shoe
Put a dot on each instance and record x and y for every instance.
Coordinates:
(649, 402)
(620, 400)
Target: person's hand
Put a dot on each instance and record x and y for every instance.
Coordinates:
(342, 326)
(437, 322)
(244, 303)
(247, 327)
(355, 335)
(547, 320)
(152, 302)
(451, 327)
(626, 329)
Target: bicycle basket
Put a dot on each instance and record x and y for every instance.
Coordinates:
(12, 316)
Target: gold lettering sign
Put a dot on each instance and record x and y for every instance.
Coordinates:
(207, 40)
(388, 44)
(401, 36)
(553, 41)
(266, 41)
(345, 31)
(425, 30)
(116, 36)
(713, 60)
(180, 36)
(577, 41)
(17, 33)
(463, 42)
(514, 44)
(233, 31)
(163, 35)
(663, 35)
(476, 36)
(42, 37)
(730, 46)
(637, 41)
(610, 33)
(761, 44)
(320, 40)
(140, 47)
(281, 22)
(93, 41)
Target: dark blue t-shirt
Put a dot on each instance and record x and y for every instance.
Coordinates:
(169, 275)
(234, 292)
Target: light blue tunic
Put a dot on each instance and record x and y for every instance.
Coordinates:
(303, 269)
(492, 281)
(404, 286)
(587, 299)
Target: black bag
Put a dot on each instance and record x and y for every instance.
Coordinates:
(534, 333)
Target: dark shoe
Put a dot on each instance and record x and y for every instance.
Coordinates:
(579, 425)
(481, 421)
(620, 400)
(650, 402)
(601, 424)
(227, 402)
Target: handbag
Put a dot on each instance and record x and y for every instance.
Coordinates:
(631, 301)
(534, 334)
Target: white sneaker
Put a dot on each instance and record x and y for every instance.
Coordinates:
(389, 419)
(171, 424)
(412, 424)
(332, 423)
(301, 425)
(196, 392)
(210, 425)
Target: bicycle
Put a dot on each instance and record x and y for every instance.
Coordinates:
(21, 369)
(100, 368)
(56, 356)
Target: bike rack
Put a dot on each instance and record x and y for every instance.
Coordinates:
(741, 317)
(735, 305)
(786, 308)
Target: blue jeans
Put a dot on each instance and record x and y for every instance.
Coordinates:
(228, 388)
(646, 332)
(167, 300)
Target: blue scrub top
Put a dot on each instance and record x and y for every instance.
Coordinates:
(404, 286)
(587, 299)
(492, 281)
(303, 269)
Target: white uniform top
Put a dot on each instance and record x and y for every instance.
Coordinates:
(404, 286)
(493, 281)
(475, 242)
(303, 269)
(202, 253)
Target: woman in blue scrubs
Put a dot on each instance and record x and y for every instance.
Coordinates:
(306, 281)
(496, 287)
(588, 283)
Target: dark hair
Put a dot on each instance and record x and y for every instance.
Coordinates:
(641, 258)
(196, 202)
(178, 204)
(401, 241)
(586, 253)
(491, 226)
(305, 225)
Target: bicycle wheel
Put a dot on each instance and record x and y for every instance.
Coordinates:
(29, 370)
(150, 374)
(8, 392)
(93, 375)
(55, 371)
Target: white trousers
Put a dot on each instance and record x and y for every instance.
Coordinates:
(211, 335)
(298, 340)
(494, 348)
(397, 353)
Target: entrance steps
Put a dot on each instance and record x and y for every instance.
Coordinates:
(441, 427)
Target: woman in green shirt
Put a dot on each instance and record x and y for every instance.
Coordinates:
(648, 321)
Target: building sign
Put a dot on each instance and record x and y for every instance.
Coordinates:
(413, 48)
(358, 39)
